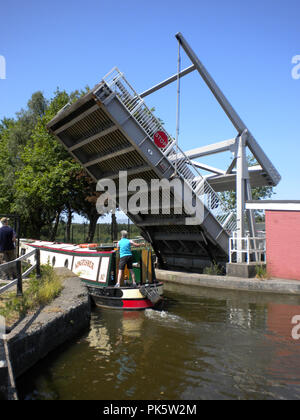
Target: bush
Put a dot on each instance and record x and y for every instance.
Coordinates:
(45, 289)
(213, 270)
(261, 272)
(38, 292)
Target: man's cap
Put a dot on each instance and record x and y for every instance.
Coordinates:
(4, 220)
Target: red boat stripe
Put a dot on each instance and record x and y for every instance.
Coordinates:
(73, 252)
(142, 303)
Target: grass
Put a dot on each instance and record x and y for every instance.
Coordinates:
(261, 272)
(213, 270)
(37, 293)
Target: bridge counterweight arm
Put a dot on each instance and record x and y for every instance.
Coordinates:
(167, 81)
(212, 149)
(231, 113)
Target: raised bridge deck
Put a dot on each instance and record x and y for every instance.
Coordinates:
(110, 130)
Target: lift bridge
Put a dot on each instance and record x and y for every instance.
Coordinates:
(111, 129)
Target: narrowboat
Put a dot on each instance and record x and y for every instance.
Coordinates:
(97, 267)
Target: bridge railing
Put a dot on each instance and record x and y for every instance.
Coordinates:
(15, 267)
(246, 248)
(136, 106)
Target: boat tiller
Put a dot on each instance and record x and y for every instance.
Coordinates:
(151, 293)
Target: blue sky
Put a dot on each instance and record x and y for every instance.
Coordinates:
(247, 46)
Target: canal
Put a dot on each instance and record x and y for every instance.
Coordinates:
(204, 344)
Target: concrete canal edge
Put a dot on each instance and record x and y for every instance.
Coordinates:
(49, 327)
(284, 287)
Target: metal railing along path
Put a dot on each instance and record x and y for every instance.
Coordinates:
(17, 265)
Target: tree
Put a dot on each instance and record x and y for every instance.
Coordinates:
(45, 169)
(258, 193)
(114, 227)
(84, 202)
(14, 135)
(47, 179)
(38, 178)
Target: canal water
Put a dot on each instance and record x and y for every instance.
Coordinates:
(204, 344)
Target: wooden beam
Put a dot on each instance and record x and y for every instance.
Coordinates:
(109, 156)
(88, 140)
(132, 171)
(75, 120)
(156, 221)
(192, 237)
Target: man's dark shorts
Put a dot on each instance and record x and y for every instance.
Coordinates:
(128, 260)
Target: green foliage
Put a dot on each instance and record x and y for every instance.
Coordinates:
(213, 270)
(38, 292)
(102, 232)
(39, 180)
(261, 272)
(258, 193)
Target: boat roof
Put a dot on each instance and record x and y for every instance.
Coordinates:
(69, 248)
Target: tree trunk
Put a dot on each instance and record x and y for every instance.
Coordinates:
(114, 227)
(55, 227)
(69, 224)
(93, 219)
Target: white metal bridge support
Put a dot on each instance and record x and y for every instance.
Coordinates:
(243, 194)
(245, 138)
(242, 177)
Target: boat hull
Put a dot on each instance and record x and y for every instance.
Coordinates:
(98, 270)
(125, 298)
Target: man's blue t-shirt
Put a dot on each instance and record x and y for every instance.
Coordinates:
(125, 248)
(6, 239)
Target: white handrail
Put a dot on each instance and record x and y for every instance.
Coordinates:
(242, 245)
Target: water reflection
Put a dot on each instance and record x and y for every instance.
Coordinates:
(114, 329)
(205, 344)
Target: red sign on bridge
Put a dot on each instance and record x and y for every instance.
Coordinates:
(161, 139)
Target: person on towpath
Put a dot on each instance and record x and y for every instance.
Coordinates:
(7, 244)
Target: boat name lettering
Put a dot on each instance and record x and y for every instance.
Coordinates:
(86, 263)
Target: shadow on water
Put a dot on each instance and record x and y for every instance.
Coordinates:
(203, 344)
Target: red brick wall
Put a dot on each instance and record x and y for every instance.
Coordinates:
(283, 244)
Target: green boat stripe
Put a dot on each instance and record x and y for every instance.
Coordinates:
(74, 253)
